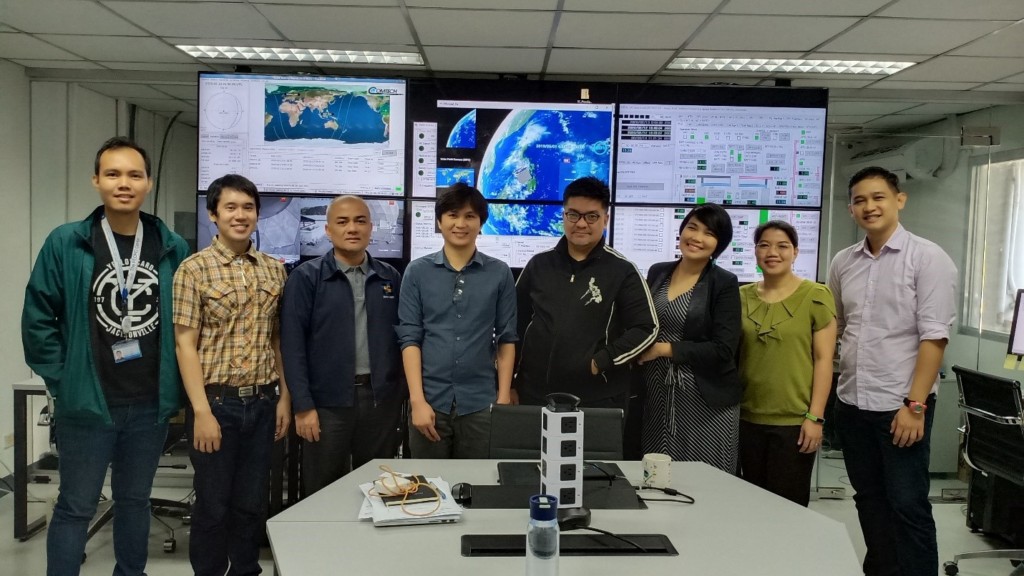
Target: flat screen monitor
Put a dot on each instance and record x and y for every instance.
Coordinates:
(513, 233)
(650, 234)
(291, 228)
(304, 134)
(731, 146)
(1017, 328)
(516, 141)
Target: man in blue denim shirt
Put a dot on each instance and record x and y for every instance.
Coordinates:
(341, 357)
(457, 323)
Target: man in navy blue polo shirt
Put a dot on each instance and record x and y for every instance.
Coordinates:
(341, 357)
(457, 330)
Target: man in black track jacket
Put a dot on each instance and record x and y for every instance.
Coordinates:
(584, 310)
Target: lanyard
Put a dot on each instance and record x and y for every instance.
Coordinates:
(124, 285)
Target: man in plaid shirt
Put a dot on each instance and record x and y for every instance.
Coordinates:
(226, 318)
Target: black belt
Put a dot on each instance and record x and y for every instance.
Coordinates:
(361, 379)
(225, 391)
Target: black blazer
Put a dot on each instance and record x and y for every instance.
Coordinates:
(712, 334)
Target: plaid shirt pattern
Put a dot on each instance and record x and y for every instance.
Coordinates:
(234, 301)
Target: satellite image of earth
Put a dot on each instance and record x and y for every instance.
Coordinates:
(319, 113)
(535, 153)
(463, 135)
(450, 176)
(523, 220)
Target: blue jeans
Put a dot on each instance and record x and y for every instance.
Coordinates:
(232, 487)
(891, 485)
(131, 447)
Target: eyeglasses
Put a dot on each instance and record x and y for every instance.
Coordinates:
(574, 216)
(460, 283)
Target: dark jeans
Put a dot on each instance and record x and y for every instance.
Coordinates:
(891, 485)
(462, 436)
(770, 458)
(131, 447)
(232, 487)
(349, 438)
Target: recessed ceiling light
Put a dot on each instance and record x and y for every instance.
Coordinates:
(789, 65)
(303, 55)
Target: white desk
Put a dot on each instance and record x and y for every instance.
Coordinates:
(734, 528)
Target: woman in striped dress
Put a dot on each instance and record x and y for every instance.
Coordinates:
(691, 411)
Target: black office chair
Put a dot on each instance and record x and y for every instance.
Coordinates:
(515, 433)
(994, 447)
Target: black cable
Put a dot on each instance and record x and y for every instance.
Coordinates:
(616, 536)
(160, 164)
(687, 499)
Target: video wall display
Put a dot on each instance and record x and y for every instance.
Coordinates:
(304, 134)
(740, 147)
(647, 235)
(662, 149)
(513, 233)
(291, 228)
(513, 141)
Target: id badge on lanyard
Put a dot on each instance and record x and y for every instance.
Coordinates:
(129, 348)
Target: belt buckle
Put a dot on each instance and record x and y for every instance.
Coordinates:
(246, 391)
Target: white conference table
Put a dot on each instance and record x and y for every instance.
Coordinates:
(733, 528)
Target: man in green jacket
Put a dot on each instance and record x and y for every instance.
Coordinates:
(96, 326)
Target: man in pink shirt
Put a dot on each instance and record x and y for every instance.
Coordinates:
(895, 302)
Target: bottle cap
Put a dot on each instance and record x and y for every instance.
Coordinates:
(543, 507)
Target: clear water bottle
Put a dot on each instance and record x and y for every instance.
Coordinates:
(542, 537)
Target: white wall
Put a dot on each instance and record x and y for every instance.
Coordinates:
(14, 235)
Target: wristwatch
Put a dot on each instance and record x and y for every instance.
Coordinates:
(915, 407)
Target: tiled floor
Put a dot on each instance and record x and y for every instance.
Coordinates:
(28, 559)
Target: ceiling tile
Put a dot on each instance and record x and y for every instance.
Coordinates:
(159, 67)
(664, 6)
(1017, 78)
(803, 7)
(733, 54)
(858, 119)
(70, 64)
(902, 122)
(484, 4)
(190, 92)
(962, 69)
(358, 25)
(118, 48)
(888, 84)
(222, 41)
(830, 83)
(894, 36)
(958, 9)
(122, 91)
(1000, 87)
(586, 30)
(488, 28)
(931, 108)
(66, 17)
(6, 28)
(525, 60)
(14, 46)
(384, 3)
(768, 33)
(842, 108)
(575, 61)
(196, 20)
(1006, 42)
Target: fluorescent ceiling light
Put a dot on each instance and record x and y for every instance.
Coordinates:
(303, 55)
(789, 65)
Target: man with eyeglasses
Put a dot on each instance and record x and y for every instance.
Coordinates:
(584, 310)
(457, 331)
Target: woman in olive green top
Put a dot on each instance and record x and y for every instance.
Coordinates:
(785, 362)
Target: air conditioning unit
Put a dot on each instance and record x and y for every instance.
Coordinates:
(919, 159)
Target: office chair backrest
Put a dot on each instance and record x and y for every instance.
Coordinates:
(995, 423)
(515, 433)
